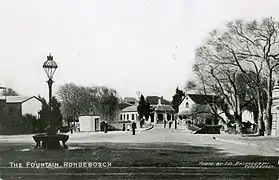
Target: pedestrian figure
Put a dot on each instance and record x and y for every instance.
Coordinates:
(165, 123)
(170, 124)
(106, 127)
(123, 128)
(134, 126)
(175, 125)
(102, 126)
(71, 128)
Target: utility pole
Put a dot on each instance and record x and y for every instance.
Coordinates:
(139, 94)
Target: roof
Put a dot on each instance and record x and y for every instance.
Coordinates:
(201, 98)
(153, 100)
(17, 99)
(164, 108)
(123, 105)
(185, 112)
(130, 99)
(132, 108)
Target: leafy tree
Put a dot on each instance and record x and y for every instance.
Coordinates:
(79, 101)
(177, 99)
(76, 100)
(9, 92)
(107, 103)
(31, 123)
(143, 108)
(45, 115)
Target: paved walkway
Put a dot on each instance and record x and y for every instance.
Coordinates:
(231, 144)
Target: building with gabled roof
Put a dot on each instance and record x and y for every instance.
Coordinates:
(160, 110)
(21, 104)
(190, 100)
(12, 109)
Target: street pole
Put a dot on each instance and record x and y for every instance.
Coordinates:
(50, 82)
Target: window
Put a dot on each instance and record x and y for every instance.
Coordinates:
(124, 117)
(133, 117)
(120, 116)
(187, 105)
(127, 116)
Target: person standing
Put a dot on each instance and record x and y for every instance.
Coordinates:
(72, 129)
(170, 124)
(102, 125)
(123, 128)
(134, 126)
(106, 127)
(175, 124)
(165, 123)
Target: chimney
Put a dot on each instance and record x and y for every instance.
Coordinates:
(159, 101)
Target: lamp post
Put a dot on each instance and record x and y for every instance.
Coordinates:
(50, 67)
(50, 140)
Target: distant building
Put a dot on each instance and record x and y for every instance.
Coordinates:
(12, 108)
(89, 123)
(160, 110)
(20, 105)
(129, 113)
(186, 105)
(130, 100)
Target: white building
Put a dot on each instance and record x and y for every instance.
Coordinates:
(89, 123)
(160, 110)
(190, 100)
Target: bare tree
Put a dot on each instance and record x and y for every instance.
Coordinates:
(249, 47)
(79, 100)
(107, 103)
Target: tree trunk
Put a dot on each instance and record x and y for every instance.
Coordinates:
(238, 116)
(269, 104)
(260, 124)
(261, 127)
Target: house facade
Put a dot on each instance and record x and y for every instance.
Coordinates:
(20, 105)
(13, 108)
(129, 113)
(190, 100)
(187, 104)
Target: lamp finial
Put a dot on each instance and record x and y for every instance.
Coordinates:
(49, 57)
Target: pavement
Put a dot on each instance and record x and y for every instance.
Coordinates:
(230, 144)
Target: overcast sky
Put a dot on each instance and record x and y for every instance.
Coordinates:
(129, 45)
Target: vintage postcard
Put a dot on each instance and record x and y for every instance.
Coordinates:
(139, 89)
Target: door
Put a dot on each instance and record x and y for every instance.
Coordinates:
(97, 124)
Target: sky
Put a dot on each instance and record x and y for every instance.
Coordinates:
(145, 46)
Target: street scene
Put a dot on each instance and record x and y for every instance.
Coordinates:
(145, 89)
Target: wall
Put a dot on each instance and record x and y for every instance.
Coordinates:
(130, 116)
(87, 123)
(11, 119)
(182, 106)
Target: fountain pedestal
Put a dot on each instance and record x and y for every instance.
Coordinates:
(49, 141)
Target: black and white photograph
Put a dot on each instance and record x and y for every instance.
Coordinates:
(139, 89)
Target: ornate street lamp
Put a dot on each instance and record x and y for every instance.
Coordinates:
(50, 140)
(50, 67)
